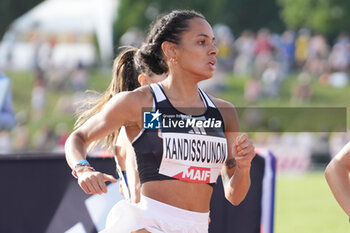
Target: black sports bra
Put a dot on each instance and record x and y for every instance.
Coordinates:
(174, 145)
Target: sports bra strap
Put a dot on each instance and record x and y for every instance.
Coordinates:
(208, 100)
(158, 93)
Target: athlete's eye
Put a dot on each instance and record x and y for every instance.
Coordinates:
(201, 42)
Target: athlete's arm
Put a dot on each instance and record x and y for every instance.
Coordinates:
(337, 175)
(130, 166)
(124, 108)
(235, 173)
(132, 174)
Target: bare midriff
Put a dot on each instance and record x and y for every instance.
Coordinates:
(181, 194)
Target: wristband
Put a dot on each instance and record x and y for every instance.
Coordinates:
(81, 164)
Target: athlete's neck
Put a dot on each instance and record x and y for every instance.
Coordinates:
(182, 92)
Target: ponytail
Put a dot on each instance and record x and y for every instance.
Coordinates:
(124, 78)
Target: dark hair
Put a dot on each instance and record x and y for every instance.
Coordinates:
(168, 27)
(141, 65)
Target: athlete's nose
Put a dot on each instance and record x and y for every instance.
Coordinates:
(213, 50)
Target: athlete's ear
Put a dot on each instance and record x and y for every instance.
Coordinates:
(142, 80)
(169, 50)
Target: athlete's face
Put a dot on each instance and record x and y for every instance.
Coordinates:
(196, 52)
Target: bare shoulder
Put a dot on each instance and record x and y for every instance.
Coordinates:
(140, 97)
(220, 103)
(143, 91)
(228, 113)
(128, 105)
(225, 107)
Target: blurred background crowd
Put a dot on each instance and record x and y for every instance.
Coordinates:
(53, 50)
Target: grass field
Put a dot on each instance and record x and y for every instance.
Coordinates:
(304, 204)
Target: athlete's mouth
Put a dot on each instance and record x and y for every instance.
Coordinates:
(212, 62)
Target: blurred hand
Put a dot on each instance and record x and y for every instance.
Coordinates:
(93, 182)
(245, 151)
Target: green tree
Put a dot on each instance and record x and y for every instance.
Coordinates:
(141, 13)
(237, 14)
(251, 14)
(12, 9)
(328, 17)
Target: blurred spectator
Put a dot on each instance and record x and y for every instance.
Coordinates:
(20, 139)
(7, 115)
(271, 80)
(318, 51)
(301, 47)
(20, 134)
(5, 143)
(38, 95)
(339, 57)
(288, 50)
(8, 44)
(79, 77)
(302, 91)
(263, 50)
(252, 90)
(245, 49)
(61, 133)
(224, 40)
(339, 60)
(44, 140)
(321, 156)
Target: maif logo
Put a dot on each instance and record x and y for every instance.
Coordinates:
(195, 174)
(151, 120)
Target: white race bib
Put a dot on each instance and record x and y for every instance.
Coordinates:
(193, 157)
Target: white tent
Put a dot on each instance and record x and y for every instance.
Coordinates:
(58, 17)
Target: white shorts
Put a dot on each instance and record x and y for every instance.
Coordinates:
(155, 217)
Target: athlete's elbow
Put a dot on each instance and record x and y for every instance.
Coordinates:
(234, 201)
(233, 198)
(327, 172)
(332, 169)
(76, 137)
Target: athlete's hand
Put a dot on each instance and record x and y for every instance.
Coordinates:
(93, 182)
(245, 151)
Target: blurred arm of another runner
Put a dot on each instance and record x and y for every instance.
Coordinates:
(129, 165)
(337, 175)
